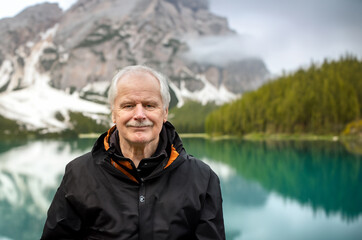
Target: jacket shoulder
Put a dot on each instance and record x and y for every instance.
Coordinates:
(199, 167)
(80, 161)
(193, 160)
(80, 170)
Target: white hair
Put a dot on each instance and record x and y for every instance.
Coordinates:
(164, 89)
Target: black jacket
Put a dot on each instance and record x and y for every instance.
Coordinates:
(179, 199)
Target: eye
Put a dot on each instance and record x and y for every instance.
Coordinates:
(127, 106)
(149, 106)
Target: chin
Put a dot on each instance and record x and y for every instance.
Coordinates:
(141, 139)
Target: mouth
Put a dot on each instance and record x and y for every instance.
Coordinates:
(139, 128)
(139, 125)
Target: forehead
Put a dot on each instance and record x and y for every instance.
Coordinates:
(138, 84)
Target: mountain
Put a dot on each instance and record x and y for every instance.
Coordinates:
(45, 52)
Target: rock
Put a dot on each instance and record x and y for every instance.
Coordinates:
(244, 75)
(94, 38)
(27, 25)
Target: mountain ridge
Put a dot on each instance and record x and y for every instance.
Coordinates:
(93, 39)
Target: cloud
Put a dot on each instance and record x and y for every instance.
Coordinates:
(285, 34)
(291, 34)
(220, 50)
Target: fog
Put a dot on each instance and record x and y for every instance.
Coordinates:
(290, 34)
(285, 34)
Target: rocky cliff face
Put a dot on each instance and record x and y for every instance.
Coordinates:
(94, 38)
(26, 26)
(18, 36)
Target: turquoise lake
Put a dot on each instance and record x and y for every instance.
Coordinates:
(271, 190)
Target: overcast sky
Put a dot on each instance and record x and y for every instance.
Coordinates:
(285, 34)
(288, 34)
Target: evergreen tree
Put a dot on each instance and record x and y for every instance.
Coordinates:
(317, 100)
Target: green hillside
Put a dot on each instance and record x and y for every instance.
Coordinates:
(321, 99)
(190, 118)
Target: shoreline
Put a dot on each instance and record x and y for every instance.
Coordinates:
(274, 137)
(247, 137)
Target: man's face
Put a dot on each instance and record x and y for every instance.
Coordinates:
(138, 109)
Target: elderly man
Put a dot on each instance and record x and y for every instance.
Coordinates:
(138, 182)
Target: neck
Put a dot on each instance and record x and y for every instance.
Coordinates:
(139, 151)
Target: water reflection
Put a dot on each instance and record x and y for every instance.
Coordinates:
(236, 189)
(281, 218)
(322, 175)
(259, 202)
(276, 190)
(29, 175)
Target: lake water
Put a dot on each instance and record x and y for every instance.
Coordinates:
(271, 190)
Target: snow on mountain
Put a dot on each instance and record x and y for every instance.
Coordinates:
(205, 95)
(5, 71)
(53, 62)
(38, 104)
(98, 91)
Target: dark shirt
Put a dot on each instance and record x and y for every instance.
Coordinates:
(146, 165)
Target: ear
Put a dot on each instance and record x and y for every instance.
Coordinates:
(165, 115)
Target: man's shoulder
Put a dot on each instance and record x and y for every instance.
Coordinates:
(80, 162)
(197, 165)
(197, 172)
(194, 160)
(81, 172)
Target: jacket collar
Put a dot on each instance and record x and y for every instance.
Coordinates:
(170, 151)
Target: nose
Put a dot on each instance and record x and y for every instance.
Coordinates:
(139, 113)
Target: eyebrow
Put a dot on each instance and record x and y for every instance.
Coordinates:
(128, 101)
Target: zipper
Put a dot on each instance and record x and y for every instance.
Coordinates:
(142, 210)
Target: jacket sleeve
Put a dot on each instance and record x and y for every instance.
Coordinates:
(62, 221)
(211, 224)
